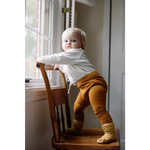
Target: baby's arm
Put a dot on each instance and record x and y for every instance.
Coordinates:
(50, 59)
(62, 58)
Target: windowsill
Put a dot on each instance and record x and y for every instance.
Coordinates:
(39, 83)
(40, 87)
(33, 94)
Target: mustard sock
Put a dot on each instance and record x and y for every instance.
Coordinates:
(109, 136)
(76, 129)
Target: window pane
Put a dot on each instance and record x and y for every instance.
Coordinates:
(35, 46)
(44, 49)
(38, 34)
(30, 54)
(31, 13)
(46, 18)
(39, 16)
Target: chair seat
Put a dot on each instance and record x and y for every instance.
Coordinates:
(87, 141)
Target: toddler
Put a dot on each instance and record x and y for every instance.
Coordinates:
(93, 88)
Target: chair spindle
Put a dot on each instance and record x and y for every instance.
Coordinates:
(62, 119)
(58, 120)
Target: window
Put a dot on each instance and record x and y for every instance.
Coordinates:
(37, 35)
(40, 34)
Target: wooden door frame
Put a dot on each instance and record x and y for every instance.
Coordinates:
(106, 45)
(108, 42)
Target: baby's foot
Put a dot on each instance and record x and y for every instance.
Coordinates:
(107, 138)
(110, 135)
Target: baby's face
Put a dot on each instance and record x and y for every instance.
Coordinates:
(71, 40)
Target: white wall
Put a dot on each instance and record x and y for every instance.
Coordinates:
(38, 131)
(90, 19)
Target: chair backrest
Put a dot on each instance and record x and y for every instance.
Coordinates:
(58, 101)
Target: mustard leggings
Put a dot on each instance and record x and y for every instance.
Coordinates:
(93, 89)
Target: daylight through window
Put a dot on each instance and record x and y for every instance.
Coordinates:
(38, 34)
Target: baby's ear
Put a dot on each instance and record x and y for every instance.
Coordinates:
(83, 45)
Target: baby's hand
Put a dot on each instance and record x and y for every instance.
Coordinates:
(37, 64)
(55, 67)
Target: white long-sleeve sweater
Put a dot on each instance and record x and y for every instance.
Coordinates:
(73, 63)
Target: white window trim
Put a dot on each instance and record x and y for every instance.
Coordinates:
(57, 31)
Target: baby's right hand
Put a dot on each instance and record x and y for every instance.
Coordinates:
(37, 64)
(56, 67)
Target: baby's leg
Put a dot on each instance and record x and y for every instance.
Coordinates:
(78, 121)
(79, 106)
(97, 97)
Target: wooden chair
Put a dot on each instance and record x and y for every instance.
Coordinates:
(58, 100)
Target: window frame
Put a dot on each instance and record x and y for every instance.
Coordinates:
(58, 26)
